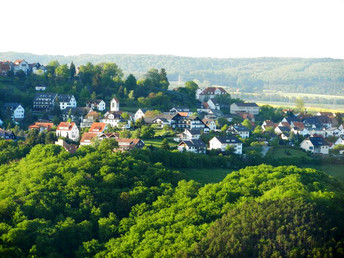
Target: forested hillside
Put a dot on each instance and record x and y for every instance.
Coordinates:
(97, 202)
(322, 76)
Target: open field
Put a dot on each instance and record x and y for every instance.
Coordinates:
(285, 152)
(309, 107)
(333, 170)
(206, 175)
(157, 142)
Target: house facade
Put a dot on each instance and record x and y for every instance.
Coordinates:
(68, 130)
(222, 143)
(315, 144)
(98, 104)
(251, 108)
(66, 101)
(210, 93)
(114, 105)
(15, 109)
(195, 146)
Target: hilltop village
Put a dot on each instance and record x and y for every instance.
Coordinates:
(216, 123)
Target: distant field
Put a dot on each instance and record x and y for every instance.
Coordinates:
(206, 175)
(158, 142)
(333, 170)
(285, 152)
(309, 107)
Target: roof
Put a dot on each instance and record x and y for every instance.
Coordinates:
(97, 127)
(38, 125)
(284, 128)
(211, 90)
(64, 97)
(11, 105)
(194, 143)
(318, 141)
(300, 125)
(241, 128)
(228, 139)
(116, 115)
(87, 137)
(65, 126)
(269, 123)
(183, 113)
(246, 104)
(45, 95)
(95, 101)
(116, 99)
(194, 131)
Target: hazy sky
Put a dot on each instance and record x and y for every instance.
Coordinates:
(213, 28)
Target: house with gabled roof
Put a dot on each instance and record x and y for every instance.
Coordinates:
(71, 148)
(21, 65)
(16, 110)
(114, 105)
(268, 124)
(98, 104)
(210, 123)
(114, 119)
(7, 135)
(68, 130)
(251, 108)
(41, 126)
(140, 113)
(66, 100)
(195, 146)
(315, 144)
(87, 138)
(210, 93)
(125, 144)
(98, 128)
(222, 143)
(240, 130)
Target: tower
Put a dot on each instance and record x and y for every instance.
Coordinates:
(114, 104)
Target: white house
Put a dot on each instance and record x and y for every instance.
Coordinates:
(114, 119)
(114, 104)
(16, 110)
(66, 101)
(195, 146)
(240, 130)
(340, 141)
(210, 93)
(68, 130)
(341, 128)
(251, 108)
(222, 143)
(98, 104)
(140, 113)
(332, 131)
(315, 145)
(210, 123)
(21, 65)
(213, 104)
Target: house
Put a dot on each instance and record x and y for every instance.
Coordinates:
(76, 114)
(268, 124)
(325, 121)
(37, 68)
(251, 108)
(90, 118)
(223, 143)
(87, 138)
(98, 104)
(21, 65)
(68, 130)
(7, 135)
(114, 119)
(299, 128)
(192, 122)
(163, 119)
(108, 136)
(341, 128)
(240, 130)
(340, 141)
(41, 126)
(282, 129)
(15, 110)
(189, 134)
(71, 148)
(114, 105)
(315, 144)
(176, 110)
(210, 93)
(213, 104)
(98, 128)
(5, 67)
(210, 123)
(140, 113)
(125, 144)
(332, 131)
(195, 146)
(66, 100)
(1, 123)
(44, 101)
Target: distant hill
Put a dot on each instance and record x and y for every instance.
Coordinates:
(306, 75)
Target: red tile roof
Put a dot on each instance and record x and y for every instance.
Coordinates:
(65, 126)
(97, 127)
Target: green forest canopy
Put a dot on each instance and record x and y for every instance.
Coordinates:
(97, 202)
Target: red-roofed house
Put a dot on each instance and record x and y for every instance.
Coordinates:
(98, 128)
(210, 93)
(86, 138)
(125, 144)
(41, 126)
(68, 130)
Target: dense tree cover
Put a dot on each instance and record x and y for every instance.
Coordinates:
(183, 216)
(129, 204)
(278, 228)
(324, 76)
(51, 201)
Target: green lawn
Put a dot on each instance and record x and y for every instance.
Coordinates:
(285, 152)
(157, 142)
(206, 175)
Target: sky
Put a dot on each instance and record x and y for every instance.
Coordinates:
(213, 28)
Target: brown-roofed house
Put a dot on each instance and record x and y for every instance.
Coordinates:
(41, 126)
(98, 128)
